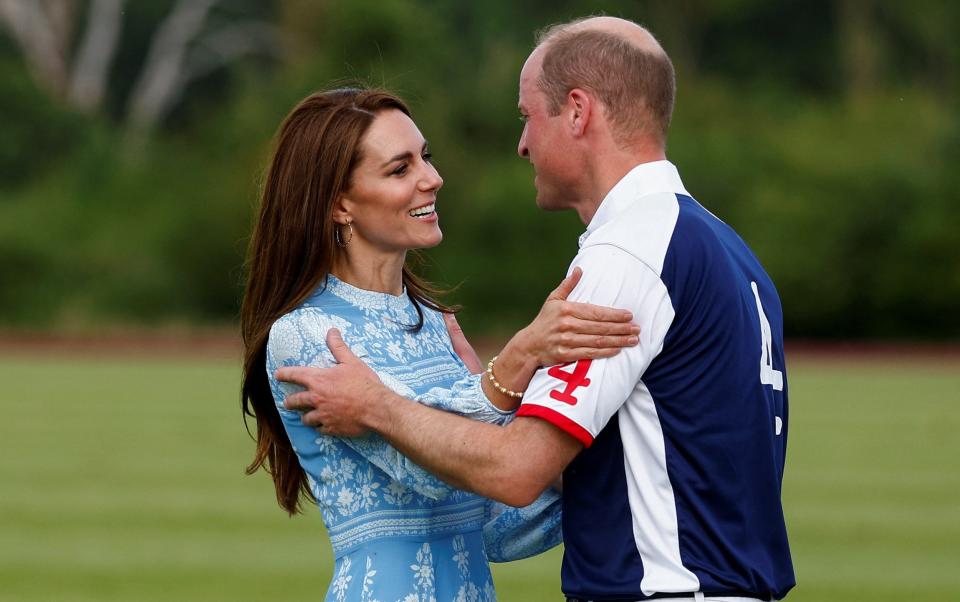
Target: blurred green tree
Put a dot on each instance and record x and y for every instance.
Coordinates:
(826, 132)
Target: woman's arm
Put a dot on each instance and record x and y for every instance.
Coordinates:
(563, 331)
(515, 533)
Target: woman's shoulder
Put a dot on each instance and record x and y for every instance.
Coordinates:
(307, 319)
(319, 309)
(302, 329)
(434, 317)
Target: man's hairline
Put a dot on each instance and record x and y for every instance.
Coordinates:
(544, 43)
(577, 27)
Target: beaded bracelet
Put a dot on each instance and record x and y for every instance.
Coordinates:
(497, 385)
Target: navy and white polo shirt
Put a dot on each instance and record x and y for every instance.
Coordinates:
(678, 489)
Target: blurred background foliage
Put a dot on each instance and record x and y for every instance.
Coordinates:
(133, 136)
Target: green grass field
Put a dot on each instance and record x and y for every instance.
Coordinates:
(123, 480)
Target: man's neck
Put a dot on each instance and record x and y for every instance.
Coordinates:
(607, 170)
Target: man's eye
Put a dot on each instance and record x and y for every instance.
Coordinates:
(523, 118)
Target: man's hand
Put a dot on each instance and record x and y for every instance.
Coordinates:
(339, 400)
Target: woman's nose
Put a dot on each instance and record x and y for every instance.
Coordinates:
(432, 179)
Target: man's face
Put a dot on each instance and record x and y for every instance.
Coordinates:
(544, 142)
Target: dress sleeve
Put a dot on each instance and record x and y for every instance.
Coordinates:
(298, 339)
(514, 533)
(581, 397)
(466, 397)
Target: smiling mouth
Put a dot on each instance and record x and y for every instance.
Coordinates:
(425, 211)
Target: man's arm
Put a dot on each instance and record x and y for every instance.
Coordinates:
(512, 464)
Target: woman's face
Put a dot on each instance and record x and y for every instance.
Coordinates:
(391, 202)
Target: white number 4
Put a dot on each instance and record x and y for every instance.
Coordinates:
(768, 375)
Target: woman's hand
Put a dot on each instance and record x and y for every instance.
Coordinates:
(563, 332)
(566, 331)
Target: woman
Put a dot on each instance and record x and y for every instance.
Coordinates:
(349, 192)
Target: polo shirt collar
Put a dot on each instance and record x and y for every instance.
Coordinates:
(644, 179)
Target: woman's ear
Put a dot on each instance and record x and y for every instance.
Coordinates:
(341, 210)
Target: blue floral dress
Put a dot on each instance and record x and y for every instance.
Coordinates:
(398, 533)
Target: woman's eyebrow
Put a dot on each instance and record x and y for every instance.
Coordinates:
(400, 157)
(403, 156)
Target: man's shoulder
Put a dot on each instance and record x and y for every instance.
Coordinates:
(643, 230)
(701, 239)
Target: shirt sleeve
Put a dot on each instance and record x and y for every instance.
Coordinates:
(514, 533)
(581, 397)
(299, 339)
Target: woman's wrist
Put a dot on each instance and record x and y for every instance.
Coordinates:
(492, 377)
(510, 372)
(517, 362)
(501, 401)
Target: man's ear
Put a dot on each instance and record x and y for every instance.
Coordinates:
(579, 111)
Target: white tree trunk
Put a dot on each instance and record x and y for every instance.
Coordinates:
(91, 69)
(162, 80)
(179, 52)
(42, 29)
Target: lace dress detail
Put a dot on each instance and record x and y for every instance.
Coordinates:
(399, 533)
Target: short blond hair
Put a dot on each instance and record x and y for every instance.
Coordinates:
(636, 86)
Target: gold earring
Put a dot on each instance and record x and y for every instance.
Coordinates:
(338, 237)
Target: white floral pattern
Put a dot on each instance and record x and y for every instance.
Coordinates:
(366, 595)
(461, 555)
(423, 569)
(397, 494)
(468, 592)
(394, 526)
(342, 581)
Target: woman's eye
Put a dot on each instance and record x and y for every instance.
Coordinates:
(428, 157)
(399, 171)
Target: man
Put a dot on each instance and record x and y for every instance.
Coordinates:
(672, 452)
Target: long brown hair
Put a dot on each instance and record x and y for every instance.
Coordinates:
(292, 250)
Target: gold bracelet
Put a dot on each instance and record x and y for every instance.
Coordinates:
(497, 385)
